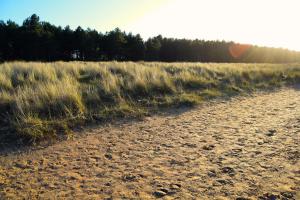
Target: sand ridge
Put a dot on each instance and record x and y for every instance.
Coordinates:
(245, 148)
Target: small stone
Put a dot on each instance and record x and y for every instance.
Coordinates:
(129, 177)
(260, 142)
(108, 156)
(190, 145)
(159, 194)
(96, 157)
(107, 184)
(164, 190)
(271, 132)
(228, 170)
(224, 181)
(208, 147)
(257, 152)
(212, 173)
(175, 186)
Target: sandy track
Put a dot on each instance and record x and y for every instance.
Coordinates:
(244, 148)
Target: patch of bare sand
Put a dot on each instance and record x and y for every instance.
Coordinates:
(245, 148)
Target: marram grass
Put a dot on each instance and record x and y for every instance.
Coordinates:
(39, 100)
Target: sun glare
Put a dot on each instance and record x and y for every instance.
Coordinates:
(268, 22)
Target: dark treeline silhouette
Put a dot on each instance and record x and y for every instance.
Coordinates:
(42, 41)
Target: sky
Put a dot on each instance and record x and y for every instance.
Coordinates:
(273, 23)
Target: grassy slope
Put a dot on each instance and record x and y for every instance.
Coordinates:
(38, 100)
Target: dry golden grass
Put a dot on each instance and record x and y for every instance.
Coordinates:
(38, 100)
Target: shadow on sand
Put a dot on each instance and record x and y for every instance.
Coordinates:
(11, 144)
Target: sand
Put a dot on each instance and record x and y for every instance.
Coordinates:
(243, 148)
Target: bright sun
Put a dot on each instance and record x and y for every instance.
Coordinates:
(262, 22)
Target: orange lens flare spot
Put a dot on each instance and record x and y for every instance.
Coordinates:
(237, 50)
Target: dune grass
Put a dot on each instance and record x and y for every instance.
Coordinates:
(40, 100)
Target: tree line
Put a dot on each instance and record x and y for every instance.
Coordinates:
(36, 40)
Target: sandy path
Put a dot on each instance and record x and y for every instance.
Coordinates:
(246, 148)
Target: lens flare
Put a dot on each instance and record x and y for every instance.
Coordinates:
(237, 50)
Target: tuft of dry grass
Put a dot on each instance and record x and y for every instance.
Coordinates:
(39, 100)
